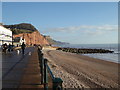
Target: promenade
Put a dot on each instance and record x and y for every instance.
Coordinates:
(21, 71)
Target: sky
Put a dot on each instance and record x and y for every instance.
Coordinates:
(60, 0)
(72, 22)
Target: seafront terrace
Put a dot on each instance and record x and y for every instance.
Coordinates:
(27, 71)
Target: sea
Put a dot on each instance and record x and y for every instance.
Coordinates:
(112, 57)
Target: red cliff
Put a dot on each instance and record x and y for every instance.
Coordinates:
(33, 38)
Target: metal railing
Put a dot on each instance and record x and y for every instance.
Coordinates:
(45, 70)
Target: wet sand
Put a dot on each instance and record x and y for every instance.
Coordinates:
(78, 71)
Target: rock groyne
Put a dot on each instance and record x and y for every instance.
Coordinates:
(84, 50)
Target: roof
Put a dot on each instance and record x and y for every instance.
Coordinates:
(5, 31)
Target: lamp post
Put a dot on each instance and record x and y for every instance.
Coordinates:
(23, 37)
(2, 37)
(12, 34)
(12, 38)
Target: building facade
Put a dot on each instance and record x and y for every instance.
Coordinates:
(18, 41)
(5, 36)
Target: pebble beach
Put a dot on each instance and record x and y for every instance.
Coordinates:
(78, 71)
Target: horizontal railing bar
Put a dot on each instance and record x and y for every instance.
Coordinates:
(51, 74)
(45, 69)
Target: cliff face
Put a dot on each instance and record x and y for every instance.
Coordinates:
(33, 38)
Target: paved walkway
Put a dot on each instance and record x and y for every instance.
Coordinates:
(21, 71)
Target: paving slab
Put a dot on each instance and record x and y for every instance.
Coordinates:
(10, 84)
(36, 87)
(13, 68)
(21, 71)
(32, 76)
(31, 79)
(32, 70)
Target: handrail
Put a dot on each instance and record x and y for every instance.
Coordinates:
(45, 69)
(51, 74)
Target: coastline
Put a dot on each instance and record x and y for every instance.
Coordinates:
(102, 54)
(106, 57)
(79, 71)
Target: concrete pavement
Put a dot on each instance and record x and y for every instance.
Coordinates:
(21, 71)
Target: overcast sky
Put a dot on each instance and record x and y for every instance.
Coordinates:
(76, 23)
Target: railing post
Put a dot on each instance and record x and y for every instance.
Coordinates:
(45, 75)
(42, 68)
(39, 54)
(41, 63)
(57, 84)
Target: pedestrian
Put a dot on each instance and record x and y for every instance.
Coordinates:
(23, 48)
(40, 46)
(17, 45)
(9, 47)
(5, 47)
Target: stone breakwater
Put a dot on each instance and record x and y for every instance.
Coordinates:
(84, 50)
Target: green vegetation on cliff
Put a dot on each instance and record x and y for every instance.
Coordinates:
(21, 28)
(28, 28)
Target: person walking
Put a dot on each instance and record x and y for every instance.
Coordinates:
(9, 48)
(23, 48)
(5, 47)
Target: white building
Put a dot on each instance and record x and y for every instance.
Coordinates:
(18, 41)
(5, 35)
